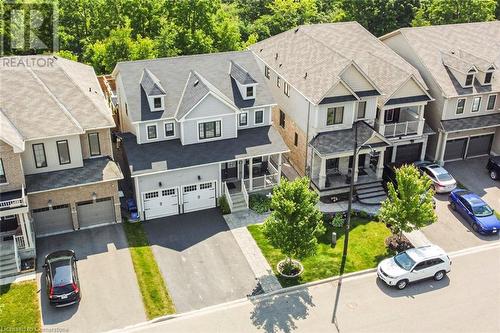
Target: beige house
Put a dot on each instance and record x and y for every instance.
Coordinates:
(460, 64)
(325, 79)
(57, 172)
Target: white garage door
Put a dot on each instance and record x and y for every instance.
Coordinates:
(91, 214)
(160, 203)
(52, 220)
(198, 196)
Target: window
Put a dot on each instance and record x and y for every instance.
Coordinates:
(335, 115)
(389, 115)
(460, 106)
(209, 129)
(278, 83)
(152, 132)
(267, 72)
(39, 154)
(491, 102)
(169, 129)
(469, 79)
(190, 188)
(249, 91)
(487, 78)
(157, 102)
(259, 117)
(476, 103)
(282, 119)
(63, 152)
(286, 89)
(205, 186)
(95, 147)
(361, 110)
(296, 139)
(170, 191)
(151, 195)
(244, 119)
(3, 179)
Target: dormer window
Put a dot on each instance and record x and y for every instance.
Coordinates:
(157, 102)
(487, 77)
(469, 79)
(249, 91)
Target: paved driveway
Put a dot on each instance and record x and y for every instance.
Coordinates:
(200, 260)
(110, 295)
(451, 231)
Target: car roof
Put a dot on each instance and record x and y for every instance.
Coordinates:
(425, 252)
(436, 169)
(471, 197)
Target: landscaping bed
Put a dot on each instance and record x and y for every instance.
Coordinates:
(19, 309)
(155, 296)
(366, 249)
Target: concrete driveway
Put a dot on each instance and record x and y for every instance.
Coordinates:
(110, 294)
(200, 260)
(451, 231)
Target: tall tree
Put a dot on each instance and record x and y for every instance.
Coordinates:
(435, 12)
(497, 12)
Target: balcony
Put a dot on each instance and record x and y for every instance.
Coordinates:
(402, 129)
(13, 199)
(399, 122)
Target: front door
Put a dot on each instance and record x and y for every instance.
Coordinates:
(229, 170)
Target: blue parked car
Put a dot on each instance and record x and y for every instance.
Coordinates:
(132, 210)
(477, 212)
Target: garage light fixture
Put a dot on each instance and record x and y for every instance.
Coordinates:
(199, 177)
(49, 203)
(160, 184)
(94, 196)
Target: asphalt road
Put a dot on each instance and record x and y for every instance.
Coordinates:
(466, 301)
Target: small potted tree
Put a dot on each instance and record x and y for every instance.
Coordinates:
(294, 224)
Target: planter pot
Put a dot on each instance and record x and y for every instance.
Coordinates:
(296, 263)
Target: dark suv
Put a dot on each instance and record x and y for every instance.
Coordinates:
(493, 167)
(61, 278)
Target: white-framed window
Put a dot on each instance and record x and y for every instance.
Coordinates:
(335, 115)
(3, 179)
(469, 79)
(278, 81)
(487, 77)
(267, 72)
(210, 129)
(250, 91)
(243, 119)
(286, 89)
(169, 129)
(361, 111)
(152, 133)
(157, 102)
(460, 106)
(258, 117)
(492, 101)
(476, 104)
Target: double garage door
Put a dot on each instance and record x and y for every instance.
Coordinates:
(171, 201)
(404, 153)
(57, 219)
(457, 149)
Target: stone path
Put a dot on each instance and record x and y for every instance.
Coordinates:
(238, 222)
(342, 207)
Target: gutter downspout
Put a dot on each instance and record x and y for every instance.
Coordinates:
(307, 171)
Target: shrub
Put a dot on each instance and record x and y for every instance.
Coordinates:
(224, 205)
(338, 220)
(259, 203)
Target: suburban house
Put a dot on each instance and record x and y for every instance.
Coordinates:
(56, 161)
(328, 79)
(195, 128)
(460, 64)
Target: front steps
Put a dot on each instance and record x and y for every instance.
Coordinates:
(239, 202)
(371, 194)
(7, 264)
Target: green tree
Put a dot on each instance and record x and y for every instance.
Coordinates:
(295, 221)
(166, 41)
(497, 11)
(144, 48)
(410, 205)
(435, 12)
(67, 55)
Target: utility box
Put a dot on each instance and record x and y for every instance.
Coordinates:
(334, 239)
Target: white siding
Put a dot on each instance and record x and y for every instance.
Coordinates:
(356, 80)
(449, 111)
(349, 109)
(190, 129)
(251, 117)
(142, 136)
(210, 106)
(410, 88)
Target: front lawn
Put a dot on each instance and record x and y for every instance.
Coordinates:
(19, 310)
(366, 250)
(154, 293)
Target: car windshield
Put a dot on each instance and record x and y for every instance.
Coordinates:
(404, 261)
(482, 211)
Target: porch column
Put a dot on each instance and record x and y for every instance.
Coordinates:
(380, 121)
(367, 161)
(355, 165)
(279, 168)
(442, 148)
(420, 129)
(380, 164)
(394, 152)
(322, 173)
(250, 174)
(424, 148)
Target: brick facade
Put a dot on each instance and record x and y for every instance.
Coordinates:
(12, 167)
(104, 141)
(297, 154)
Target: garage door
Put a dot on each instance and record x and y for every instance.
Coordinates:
(52, 220)
(408, 153)
(198, 196)
(160, 203)
(455, 149)
(479, 145)
(91, 214)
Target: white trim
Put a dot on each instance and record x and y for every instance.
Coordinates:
(221, 136)
(254, 116)
(147, 132)
(239, 120)
(488, 102)
(479, 105)
(463, 108)
(165, 132)
(158, 190)
(233, 107)
(257, 107)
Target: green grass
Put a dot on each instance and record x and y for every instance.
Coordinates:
(19, 310)
(366, 250)
(498, 214)
(155, 297)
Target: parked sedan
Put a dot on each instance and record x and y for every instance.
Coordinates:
(442, 180)
(477, 212)
(61, 278)
(493, 167)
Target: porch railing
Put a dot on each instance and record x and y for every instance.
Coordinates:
(403, 128)
(19, 240)
(13, 203)
(228, 197)
(16, 255)
(263, 182)
(244, 191)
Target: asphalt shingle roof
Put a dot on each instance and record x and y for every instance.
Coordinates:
(240, 74)
(151, 85)
(460, 124)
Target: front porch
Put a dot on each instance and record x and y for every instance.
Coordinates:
(396, 121)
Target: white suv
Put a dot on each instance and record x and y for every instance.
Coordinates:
(414, 264)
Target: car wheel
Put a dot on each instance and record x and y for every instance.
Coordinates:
(453, 206)
(439, 275)
(475, 228)
(402, 284)
(493, 175)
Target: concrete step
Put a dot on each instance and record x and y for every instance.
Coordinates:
(369, 189)
(373, 201)
(369, 185)
(8, 268)
(9, 272)
(371, 194)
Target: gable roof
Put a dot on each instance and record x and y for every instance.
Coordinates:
(452, 61)
(474, 43)
(62, 97)
(240, 74)
(323, 52)
(151, 84)
(174, 73)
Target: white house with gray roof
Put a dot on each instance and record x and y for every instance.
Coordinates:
(460, 64)
(327, 77)
(195, 128)
(57, 172)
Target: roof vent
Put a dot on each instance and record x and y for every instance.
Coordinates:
(90, 89)
(280, 65)
(305, 76)
(276, 56)
(196, 83)
(261, 50)
(296, 30)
